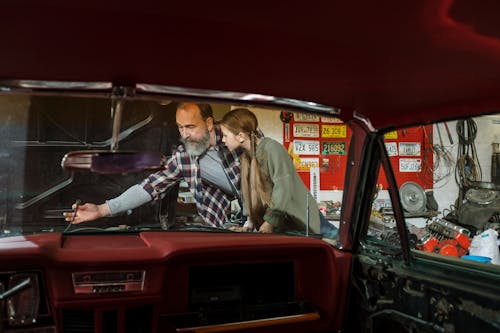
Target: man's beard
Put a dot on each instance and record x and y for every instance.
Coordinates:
(196, 148)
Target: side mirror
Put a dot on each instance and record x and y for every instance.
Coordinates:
(109, 162)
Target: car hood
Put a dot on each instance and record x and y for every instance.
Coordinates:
(395, 62)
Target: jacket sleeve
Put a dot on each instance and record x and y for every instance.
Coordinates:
(280, 168)
(133, 197)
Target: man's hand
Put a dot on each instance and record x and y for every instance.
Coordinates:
(86, 212)
(266, 228)
(247, 227)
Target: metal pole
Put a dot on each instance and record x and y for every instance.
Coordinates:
(117, 110)
(118, 97)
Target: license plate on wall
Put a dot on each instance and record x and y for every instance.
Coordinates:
(306, 147)
(410, 165)
(333, 148)
(409, 149)
(306, 130)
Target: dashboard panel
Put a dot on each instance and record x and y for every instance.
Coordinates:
(178, 282)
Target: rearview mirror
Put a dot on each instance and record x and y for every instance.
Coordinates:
(108, 162)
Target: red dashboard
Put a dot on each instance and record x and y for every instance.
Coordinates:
(179, 281)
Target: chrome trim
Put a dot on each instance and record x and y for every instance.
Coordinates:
(236, 96)
(364, 120)
(110, 281)
(23, 300)
(35, 84)
(10, 85)
(16, 288)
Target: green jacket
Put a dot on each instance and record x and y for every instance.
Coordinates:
(288, 208)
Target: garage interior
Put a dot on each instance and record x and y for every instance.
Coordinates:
(448, 175)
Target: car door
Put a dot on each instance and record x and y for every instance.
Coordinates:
(402, 282)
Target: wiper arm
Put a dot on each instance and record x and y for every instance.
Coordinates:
(146, 227)
(199, 227)
(101, 229)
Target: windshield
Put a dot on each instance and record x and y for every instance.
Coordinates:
(301, 159)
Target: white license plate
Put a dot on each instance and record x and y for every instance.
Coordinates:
(409, 149)
(306, 147)
(305, 117)
(306, 130)
(392, 148)
(410, 165)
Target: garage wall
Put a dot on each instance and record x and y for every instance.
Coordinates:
(267, 123)
(446, 191)
(267, 120)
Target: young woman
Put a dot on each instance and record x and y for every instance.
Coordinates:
(274, 197)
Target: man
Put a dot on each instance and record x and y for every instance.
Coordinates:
(202, 161)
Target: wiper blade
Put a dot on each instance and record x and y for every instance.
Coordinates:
(146, 227)
(199, 227)
(120, 228)
(179, 227)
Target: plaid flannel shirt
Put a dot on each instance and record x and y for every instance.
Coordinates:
(212, 203)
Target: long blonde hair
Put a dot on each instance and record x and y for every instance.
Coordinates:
(256, 193)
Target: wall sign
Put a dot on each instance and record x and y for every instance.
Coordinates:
(318, 146)
(393, 135)
(409, 149)
(331, 120)
(325, 143)
(306, 117)
(392, 148)
(306, 163)
(333, 131)
(409, 155)
(410, 165)
(306, 130)
(333, 148)
(306, 147)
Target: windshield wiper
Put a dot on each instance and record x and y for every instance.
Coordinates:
(198, 227)
(100, 229)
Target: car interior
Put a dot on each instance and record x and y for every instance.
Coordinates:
(388, 112)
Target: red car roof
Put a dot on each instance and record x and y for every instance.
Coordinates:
(393, 61)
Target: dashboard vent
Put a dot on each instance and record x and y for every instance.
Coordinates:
(135, 320)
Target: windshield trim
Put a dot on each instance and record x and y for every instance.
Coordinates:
(9, 85)
(33, 85)
(238, 96)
